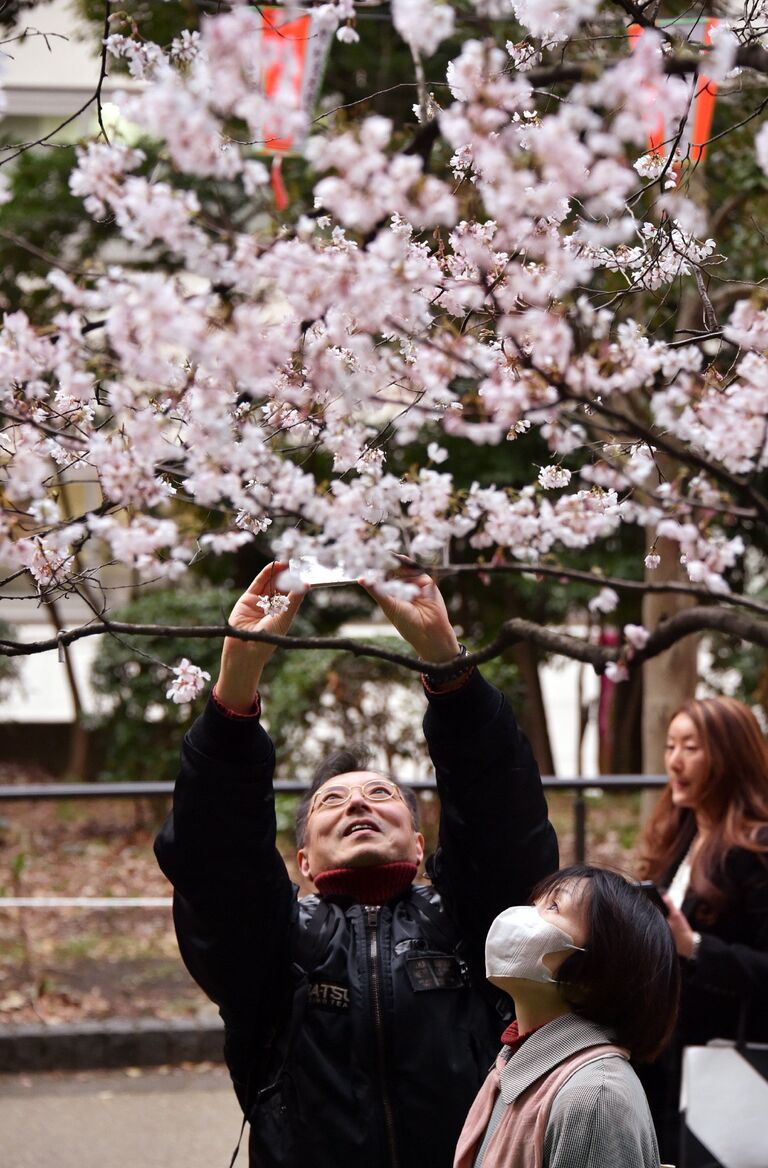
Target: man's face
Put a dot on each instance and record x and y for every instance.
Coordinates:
(359, 833)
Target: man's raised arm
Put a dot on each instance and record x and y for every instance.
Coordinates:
(233, 897)
(496, 841)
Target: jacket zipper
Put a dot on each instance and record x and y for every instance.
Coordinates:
(372, 919)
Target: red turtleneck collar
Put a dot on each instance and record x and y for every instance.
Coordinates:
(513, 1038)
(374, 885)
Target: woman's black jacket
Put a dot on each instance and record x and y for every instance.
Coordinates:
(355, 1037)
(724, 992)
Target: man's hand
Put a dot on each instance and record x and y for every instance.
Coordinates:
(242, 662)
(423, 621)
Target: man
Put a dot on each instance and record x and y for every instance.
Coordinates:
(358, 1022)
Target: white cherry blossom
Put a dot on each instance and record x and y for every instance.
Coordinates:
(552, 477)
(188, 681)
(636, 635)
(606, 601)
(616, 671)
(423, 24)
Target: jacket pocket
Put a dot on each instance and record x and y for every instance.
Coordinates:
(273, 1123)
(435, 971)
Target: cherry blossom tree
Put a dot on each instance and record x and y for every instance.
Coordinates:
(508, 270)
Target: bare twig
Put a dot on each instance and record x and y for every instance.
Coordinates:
(23, 146)
(54, 261)
(103, 69)
(710, 317)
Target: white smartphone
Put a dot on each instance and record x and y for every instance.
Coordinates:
(313, 574)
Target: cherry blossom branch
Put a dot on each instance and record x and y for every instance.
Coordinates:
(32, 32)
(95, 97)
(655, 438)
(369, 97)
(599, 581)
(44, 428)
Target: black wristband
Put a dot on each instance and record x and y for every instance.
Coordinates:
(434, 681)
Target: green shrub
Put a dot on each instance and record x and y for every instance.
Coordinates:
(140, 730)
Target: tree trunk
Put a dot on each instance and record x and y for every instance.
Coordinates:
(670, 678)
(532, 715)
(77, 760)
(620, 750)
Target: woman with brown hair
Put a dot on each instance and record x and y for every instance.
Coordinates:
(706, 844)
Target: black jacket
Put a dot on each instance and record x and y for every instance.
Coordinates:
(725, 991)
(355, 1037)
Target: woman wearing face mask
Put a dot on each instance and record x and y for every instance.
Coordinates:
(707, 845)
(593, 973)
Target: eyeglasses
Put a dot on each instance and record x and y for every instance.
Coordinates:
(336, 795)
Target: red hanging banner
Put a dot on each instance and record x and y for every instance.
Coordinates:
(698, 127)
(285, 42)
(294, 47)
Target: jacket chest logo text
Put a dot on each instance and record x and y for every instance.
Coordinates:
(328, 995)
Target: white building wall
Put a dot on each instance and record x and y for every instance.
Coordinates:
(54, 69)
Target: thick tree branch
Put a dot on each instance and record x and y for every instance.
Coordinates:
(692, 620)
(706, 618)
(10, 648)
(679, 65)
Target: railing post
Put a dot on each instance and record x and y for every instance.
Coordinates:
(580, 825)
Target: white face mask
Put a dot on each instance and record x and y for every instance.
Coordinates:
(518, 940)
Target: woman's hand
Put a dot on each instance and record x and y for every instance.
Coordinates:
(682, 933)
(242, 662)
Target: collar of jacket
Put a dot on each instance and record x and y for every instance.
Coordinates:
(545, 1049)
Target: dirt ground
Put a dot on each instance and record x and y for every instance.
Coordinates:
(70, 964)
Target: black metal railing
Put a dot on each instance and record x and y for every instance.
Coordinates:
(129, 790)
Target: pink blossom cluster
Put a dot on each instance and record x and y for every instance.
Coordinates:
(445, 311)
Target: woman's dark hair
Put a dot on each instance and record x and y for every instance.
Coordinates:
(734, 799)
(344, 762)
(628, 977)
